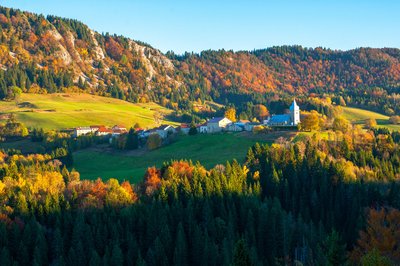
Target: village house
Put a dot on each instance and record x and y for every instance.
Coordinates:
(217, 124)
(184, 129)
(165, 130)
(80, 131)
(202, 128)
(118, 130)
(142, 134)
(250, 126)
(291, 119)
(103, 131)
(235, 127)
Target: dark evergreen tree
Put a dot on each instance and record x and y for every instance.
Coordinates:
(132, 140)
(241, 256)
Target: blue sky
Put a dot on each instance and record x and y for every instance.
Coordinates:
(239, 25)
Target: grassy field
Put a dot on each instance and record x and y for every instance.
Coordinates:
(59, 111)
(358, 116)
(209, 150)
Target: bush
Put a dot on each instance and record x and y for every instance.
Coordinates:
(193, 130)
(154, 141)
(395, 120)
(370, 123)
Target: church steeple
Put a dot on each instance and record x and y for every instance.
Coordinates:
(294, 113)
(294, 105)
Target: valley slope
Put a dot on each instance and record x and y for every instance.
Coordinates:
(68, 110)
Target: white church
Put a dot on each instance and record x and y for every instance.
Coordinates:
(291, 119)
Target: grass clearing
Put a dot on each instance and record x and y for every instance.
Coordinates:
(209, 150)
(68, 110)
(358, 116)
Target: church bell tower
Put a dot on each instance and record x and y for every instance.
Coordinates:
(294, 113)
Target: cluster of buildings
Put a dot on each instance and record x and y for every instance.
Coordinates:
(100, 130)
(213, 125)
(219, 124)
(117, 130)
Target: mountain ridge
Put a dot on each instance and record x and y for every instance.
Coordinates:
(65, 53)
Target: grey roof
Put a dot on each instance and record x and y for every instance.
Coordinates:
(163, 127)
(215, 119)
(280, 119)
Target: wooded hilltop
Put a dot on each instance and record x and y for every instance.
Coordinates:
(52, 54)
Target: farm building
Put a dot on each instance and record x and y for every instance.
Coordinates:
(80, 131)
(217, 124)
(202, 128)
(165, 130)
(235, 127)
(184, 129)
(119, 128)
(103, 131)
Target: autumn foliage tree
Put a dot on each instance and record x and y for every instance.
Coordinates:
(154, 141)
(370, 123)
(152, 180)
(114, 49)
(260, 112)
(382, 233)
(311, 121)
(395, 120)
(341, 124)
(230, 113)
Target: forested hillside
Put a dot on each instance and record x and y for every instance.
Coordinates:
(315, 202)
(52, 54)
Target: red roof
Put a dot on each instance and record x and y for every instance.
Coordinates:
(119, 126)
(202, 125)
(120, 131)
(185, 126)
(100, 126)
(103, 129)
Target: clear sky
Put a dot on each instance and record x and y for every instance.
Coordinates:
(196, 25)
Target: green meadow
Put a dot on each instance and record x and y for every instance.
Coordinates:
(358, 116)
(209, 150)
(68, 110)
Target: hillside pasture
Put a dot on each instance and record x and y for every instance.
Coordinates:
(208, 149)
(358, 116)
(61, 110)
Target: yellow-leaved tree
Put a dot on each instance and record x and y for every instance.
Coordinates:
(230, 113)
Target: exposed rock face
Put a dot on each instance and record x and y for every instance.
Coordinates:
(150, 57)
(98, 52)
(61, 52)
(69, 45)
(70, 40)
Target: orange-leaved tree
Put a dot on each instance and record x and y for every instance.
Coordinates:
(152, 180)
(381, 234)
